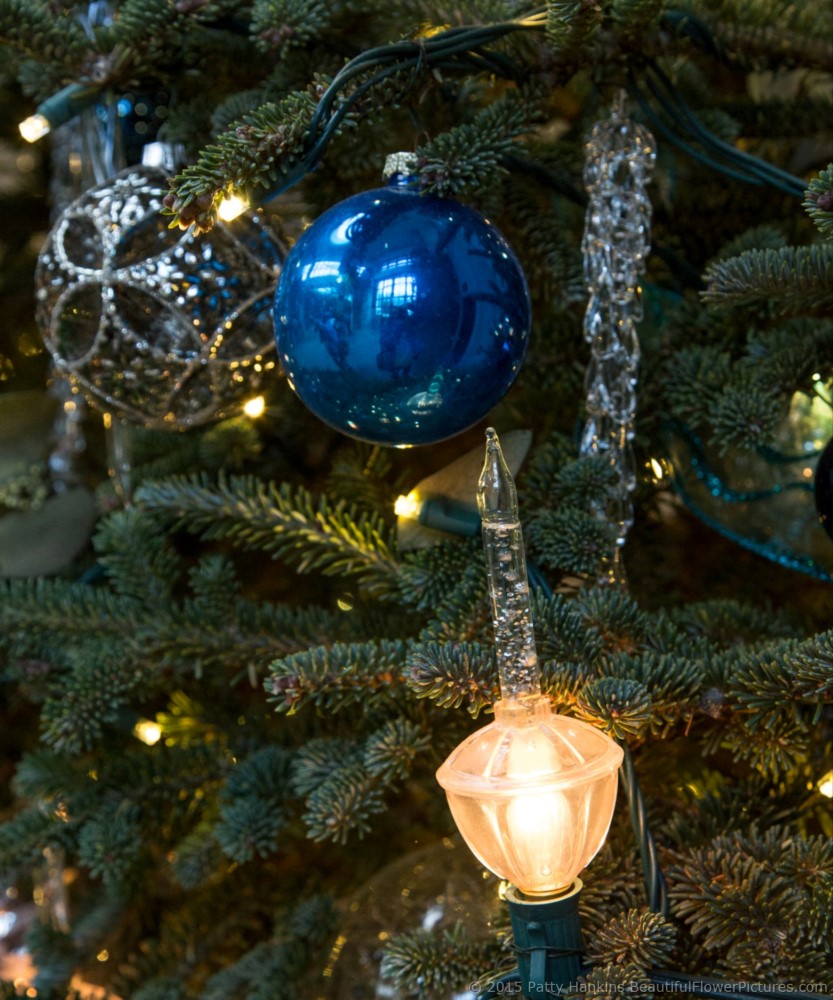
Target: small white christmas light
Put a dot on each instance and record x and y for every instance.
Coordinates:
(232, 206)
(148, 732)
(255, 407)
(34, 127)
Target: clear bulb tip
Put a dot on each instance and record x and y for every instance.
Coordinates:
(497, 498)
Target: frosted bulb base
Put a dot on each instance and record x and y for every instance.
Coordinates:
(532, 794)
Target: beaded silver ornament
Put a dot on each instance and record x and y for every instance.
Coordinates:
(619, 160)
(160, 328)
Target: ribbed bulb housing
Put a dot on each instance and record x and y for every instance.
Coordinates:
(533, 794)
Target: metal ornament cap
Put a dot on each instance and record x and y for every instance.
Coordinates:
(533, 794)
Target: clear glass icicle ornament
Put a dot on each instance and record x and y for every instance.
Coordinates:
(619, 161)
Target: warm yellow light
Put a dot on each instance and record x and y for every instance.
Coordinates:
(533, 794)
(657, 469)
(825, 785)
(255, 407)
(408, 506)
(103, 955)
(148, 732)
(34, 127)
(232, 206)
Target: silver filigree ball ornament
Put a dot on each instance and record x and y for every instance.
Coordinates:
(160, 328)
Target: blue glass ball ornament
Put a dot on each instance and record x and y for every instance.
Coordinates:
(401, 318)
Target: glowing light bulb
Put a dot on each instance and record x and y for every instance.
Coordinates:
(255, 407)
(533, 794)
(148, 732)
(232, 206)
(407, 506)
(825, 785)
(34, 127)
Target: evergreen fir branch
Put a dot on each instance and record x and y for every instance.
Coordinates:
(140, 563)
(91, 698)
(562, 681)
(584, 482)
(56, 955)
(34, 31)
(316, 761)
(110, 845)
(758, 47)
(280, 25)
(468, 157)
(561, 632)
(34, 613)
(391, 750)
(727, 623)
(775, 749)
(215, 588)
(763, 237)
(612, 884)
(198, 858)
(724, 899)
(543, 467)
(262, 150)
(161, 988)
(695, 381)
(571, 25)
(142, 25)
(638, 938)
(282, 959)
(453, 674)
(250, 827)
(819, 201)
(337, 676)
(24, 837)
(621, 706)
(615, 617)
(636, 15)
(570, 541)
(672, 682)
(768, 681)
(609, 980)
(159, 776)
(44, 774)
(344, 804)
(746, 414)
(463, 613)
(798, 278)
(551, 259)
(432, 961)
(360, 473)
(742, 889)
(333, 540)
(428, 575)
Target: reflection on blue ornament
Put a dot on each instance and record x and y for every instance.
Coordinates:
(401, 318)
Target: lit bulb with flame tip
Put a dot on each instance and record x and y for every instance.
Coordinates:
(533, 792)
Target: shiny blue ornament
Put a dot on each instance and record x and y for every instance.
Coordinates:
(401, 318)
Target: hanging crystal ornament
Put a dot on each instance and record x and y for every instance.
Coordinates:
(619, 160)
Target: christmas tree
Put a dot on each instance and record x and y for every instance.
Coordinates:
(231, 666)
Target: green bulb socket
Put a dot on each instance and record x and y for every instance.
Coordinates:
(547, 940)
